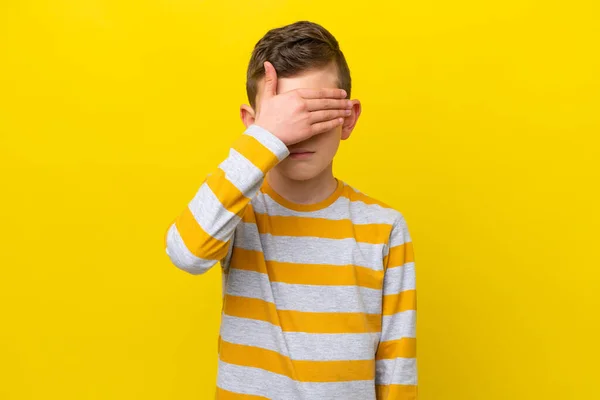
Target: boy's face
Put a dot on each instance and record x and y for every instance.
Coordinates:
(317, 151)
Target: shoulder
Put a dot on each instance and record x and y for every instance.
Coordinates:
(368, 205)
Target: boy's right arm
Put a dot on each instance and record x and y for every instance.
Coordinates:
(201, 235)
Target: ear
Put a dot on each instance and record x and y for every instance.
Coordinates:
(247, 115)
(350, 122)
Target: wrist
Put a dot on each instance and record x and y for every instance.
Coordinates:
(268, 139)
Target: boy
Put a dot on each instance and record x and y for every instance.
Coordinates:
(318, 279)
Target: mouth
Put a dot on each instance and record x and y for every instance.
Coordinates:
(300, 154)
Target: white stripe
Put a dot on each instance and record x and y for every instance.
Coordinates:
(299, 345)
(332, 346)
(310, 250)
(210, 214)
(400, 234)
(396, 371)
(244, 175)
(305, 298)
(181, 257)
(399, 279)
(399, 325)
(259, 382)
(269, 140)
(255, 286)
(356, 211)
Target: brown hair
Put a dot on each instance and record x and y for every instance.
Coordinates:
(293, 49)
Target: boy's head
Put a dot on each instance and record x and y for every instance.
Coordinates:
(305, 55)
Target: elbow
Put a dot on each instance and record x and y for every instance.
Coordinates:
(183, 258)
(191, 266)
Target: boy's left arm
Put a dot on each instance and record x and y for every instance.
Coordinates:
(396, 372)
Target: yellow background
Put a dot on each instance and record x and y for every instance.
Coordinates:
(480, 124)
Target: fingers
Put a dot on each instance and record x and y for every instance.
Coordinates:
(323, 127)
(327, 115)
(270, 88)
(322, 93)
(328, 104)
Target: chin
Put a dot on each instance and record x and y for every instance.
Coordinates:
(300, 173)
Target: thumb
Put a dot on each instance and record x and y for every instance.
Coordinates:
(270, 89)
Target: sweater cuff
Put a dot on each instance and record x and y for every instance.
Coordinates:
(269, 140)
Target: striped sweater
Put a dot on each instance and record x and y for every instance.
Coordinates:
(319, 300)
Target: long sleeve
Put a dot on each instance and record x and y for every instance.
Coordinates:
(202, 234)
(396, 371)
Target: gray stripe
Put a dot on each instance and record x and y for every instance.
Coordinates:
(258, 382)
(181, 257)
(397, 371)
(279, 387)
(306, 298)
(269, 140)
(399, 279)
(249, 284)
(399, 325)
(400, 234)
(210, 214)
(244, 175)
(332, 346)
(310, 250)
(299, 345)
(356, 211)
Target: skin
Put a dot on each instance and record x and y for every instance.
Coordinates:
(307, 119)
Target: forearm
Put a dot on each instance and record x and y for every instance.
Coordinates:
(201, 235)
(396, 375)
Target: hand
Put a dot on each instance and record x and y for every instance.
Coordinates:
(299, 114)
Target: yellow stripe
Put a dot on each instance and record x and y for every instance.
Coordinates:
(396, 392)
(255, 152)
(249, 215)
(299, 321)
(198, 242)
(351, 195)
(250, 260)
(229, 196)
(399, 255)
(322, 228)
(403, 301)
(405, 348)
(306, 274)
(299, 370)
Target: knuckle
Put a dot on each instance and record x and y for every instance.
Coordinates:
(301, 104)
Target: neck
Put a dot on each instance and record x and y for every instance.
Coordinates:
(310, 191)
